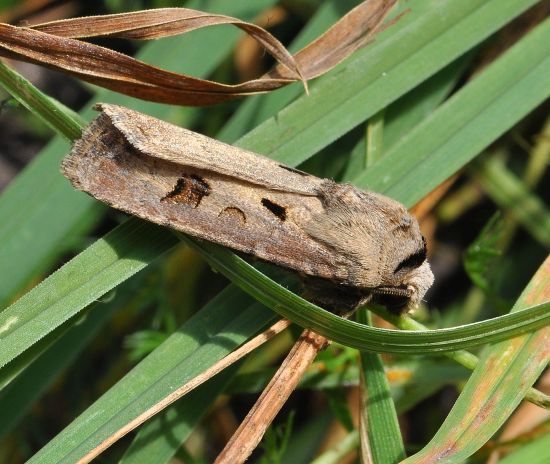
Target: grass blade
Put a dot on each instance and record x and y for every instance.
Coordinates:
(404, 55)
(504, 374)
(381, 440)
(467, 123)
(98, 269)
(226, 322)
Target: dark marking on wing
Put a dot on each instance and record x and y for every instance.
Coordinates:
(234, 213)
(414, 260)
(274, 208)
(296, 171)
(189, 190)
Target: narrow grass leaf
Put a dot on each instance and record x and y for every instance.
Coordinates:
(161, 437)
(536, 451)
(226, 322)
(108, 262)
(512, 195)
(422, 42)
(468, 122)
(256, 109)
(381, 440)
(505, 372)
(409, 111)
(22, 393)
(350, 333)
(54, 114)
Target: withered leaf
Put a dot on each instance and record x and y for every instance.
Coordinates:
(56, 45)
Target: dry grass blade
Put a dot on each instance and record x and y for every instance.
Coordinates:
(275, 394)
(231, 358)
(505, 372)
(352, 31)
(163, 22)
(56, 45)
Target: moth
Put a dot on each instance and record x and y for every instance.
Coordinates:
(349, 244)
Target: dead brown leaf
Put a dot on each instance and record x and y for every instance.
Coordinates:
(57, 45)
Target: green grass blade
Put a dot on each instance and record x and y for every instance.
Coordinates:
(511, 194)
(536, 451)
(404, 55)
(108, 262)
(256, 109)
(21, 394)
(502, 377)
(160, 438)
(467, 123)
(417, 105)
(60, 118)
(227, 321)
(381, 440)
(355, 335)
(409, 111)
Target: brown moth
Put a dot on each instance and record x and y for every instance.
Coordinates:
(352, 242)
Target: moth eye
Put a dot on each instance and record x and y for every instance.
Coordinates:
(234, 213)
(275, 209)
(189, 190)
(414, 260)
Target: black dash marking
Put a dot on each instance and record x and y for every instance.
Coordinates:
(414, 260)
(277, 210)
(188, 190)
(295, 171)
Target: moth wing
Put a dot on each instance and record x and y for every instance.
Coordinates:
(114, 162)
(160, 139)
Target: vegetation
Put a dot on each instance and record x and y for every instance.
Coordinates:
(106, 315)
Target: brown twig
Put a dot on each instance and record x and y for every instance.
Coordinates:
(253, 427)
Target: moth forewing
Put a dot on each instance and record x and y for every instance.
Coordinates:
(211, 190)
(162, 140)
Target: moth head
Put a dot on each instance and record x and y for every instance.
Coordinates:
(381, 242)
(408, 293)
(403, 270)
(407, 272)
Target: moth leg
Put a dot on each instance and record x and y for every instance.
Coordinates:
(336, 298)
(395, 299)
